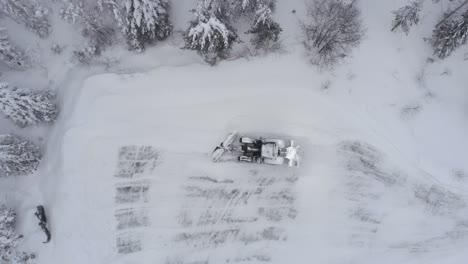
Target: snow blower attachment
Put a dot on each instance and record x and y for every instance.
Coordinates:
(268, 151)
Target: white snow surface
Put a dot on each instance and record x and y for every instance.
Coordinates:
(357, 197)
(383, 177)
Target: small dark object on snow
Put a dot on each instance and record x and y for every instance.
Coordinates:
(40, 214)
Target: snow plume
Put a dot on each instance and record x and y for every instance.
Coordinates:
(27, 107)
(12, 56)
(113, 7)
(99, 33)
(72, 11)
(30, 13)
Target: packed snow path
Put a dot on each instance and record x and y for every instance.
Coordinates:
(136, 185)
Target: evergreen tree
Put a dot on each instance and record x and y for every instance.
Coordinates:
(23, 258)
(210, 33)
(10, 55)
(142, 21)
(86, 52)
(30, 13)
(265, 30)
(450, 35)
(17, 156)
(145, 21)
(115, 8)
(9, 240)
(27, 107)
(245, 7)
(100, 35)
(92, 20)
(248, 8)
(407, 16)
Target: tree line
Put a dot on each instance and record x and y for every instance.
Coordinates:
(330, 29)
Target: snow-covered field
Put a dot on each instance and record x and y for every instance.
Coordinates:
(141, 189)
(384, 177)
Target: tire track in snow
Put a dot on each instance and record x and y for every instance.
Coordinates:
(243, 216)
(380, 194)
(131, 193)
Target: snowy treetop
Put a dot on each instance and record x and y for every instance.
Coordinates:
(205, 31)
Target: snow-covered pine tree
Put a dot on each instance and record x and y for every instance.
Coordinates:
(243, 8)
(331, 29)
(23, 258)
(85, 53)
(30, 13)
(99, 33)
(18, 156)
(265, 30)
(450, 35)
(115, 8)
(230, 10)
(210, 33)
(145, 21)
(9, 239)
(407, 16)
(10, 55)
(72, 11)
(27, 107)
(94, 27)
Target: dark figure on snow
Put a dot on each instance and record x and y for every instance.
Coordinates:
(40, 214)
